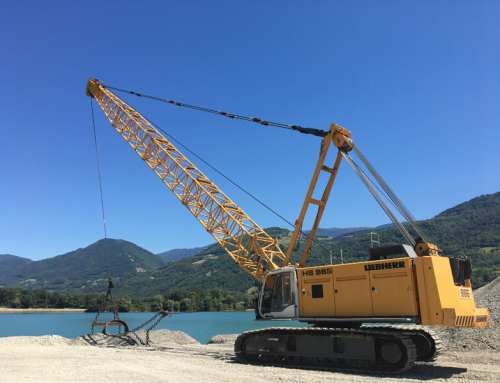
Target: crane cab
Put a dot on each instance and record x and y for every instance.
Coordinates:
(278, 297)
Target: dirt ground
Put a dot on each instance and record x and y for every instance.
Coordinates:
(57, 359)
(470, 356)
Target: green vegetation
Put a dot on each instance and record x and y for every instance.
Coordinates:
(178, 254)
(19, 298)
(211, 300)
(211, 281)
(212, 269)
(470, 229)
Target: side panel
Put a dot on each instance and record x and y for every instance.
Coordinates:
(352, 291)
(384, 288)
(316, 292)
(393, 288)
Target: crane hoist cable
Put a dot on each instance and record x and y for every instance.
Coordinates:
(98, 168)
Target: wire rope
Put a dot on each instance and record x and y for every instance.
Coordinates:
(98, 168)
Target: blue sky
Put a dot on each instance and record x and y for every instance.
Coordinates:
(416, 82)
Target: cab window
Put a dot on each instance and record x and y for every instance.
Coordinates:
(277, 293)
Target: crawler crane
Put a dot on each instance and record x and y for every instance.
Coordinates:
(366, 316)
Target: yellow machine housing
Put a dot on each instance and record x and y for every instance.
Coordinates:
(420, 290)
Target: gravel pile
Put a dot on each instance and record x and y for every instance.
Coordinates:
(157, 338)
(165, 337)
(475, 339)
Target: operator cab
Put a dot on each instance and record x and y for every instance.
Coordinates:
(278, 296)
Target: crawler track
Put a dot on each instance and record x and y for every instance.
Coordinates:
(384, 350)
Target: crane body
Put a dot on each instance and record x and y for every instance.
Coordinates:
(403, 287)
(401, 290)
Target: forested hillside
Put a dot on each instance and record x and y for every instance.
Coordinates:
(83, 270)
(470, 229)
(178, 254)
(8, 265)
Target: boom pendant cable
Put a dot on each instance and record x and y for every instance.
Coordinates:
(234, 116)
(391, 195)
(98, 167)
(373, 190)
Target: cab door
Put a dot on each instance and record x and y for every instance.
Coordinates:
(352, 291)
(279, 295)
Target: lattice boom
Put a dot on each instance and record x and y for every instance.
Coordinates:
(246, 242)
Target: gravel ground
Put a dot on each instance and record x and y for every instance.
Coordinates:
(475, 339)
(56, 359)
(470, 356)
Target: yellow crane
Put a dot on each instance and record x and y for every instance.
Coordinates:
(363, 316)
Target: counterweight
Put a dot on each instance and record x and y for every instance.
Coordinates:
(247, 243)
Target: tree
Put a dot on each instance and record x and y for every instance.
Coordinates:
(26, 300)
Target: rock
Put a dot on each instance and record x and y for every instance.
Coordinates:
(223, 339)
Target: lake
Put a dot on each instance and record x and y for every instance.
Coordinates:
(201, 325)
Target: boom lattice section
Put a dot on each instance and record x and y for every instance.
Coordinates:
(247, 243)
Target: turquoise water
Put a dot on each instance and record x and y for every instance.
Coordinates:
(201, 326)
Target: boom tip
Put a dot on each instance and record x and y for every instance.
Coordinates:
(92, 85)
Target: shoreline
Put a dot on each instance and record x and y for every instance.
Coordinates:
(8, 310)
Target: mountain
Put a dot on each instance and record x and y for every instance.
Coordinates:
(178, 254)
(84, 269)
(469, 229)
(210, 269)
(13, 260)
(8, 265)
(335, 232)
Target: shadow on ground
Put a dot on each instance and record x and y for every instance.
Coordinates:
(418, 372)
